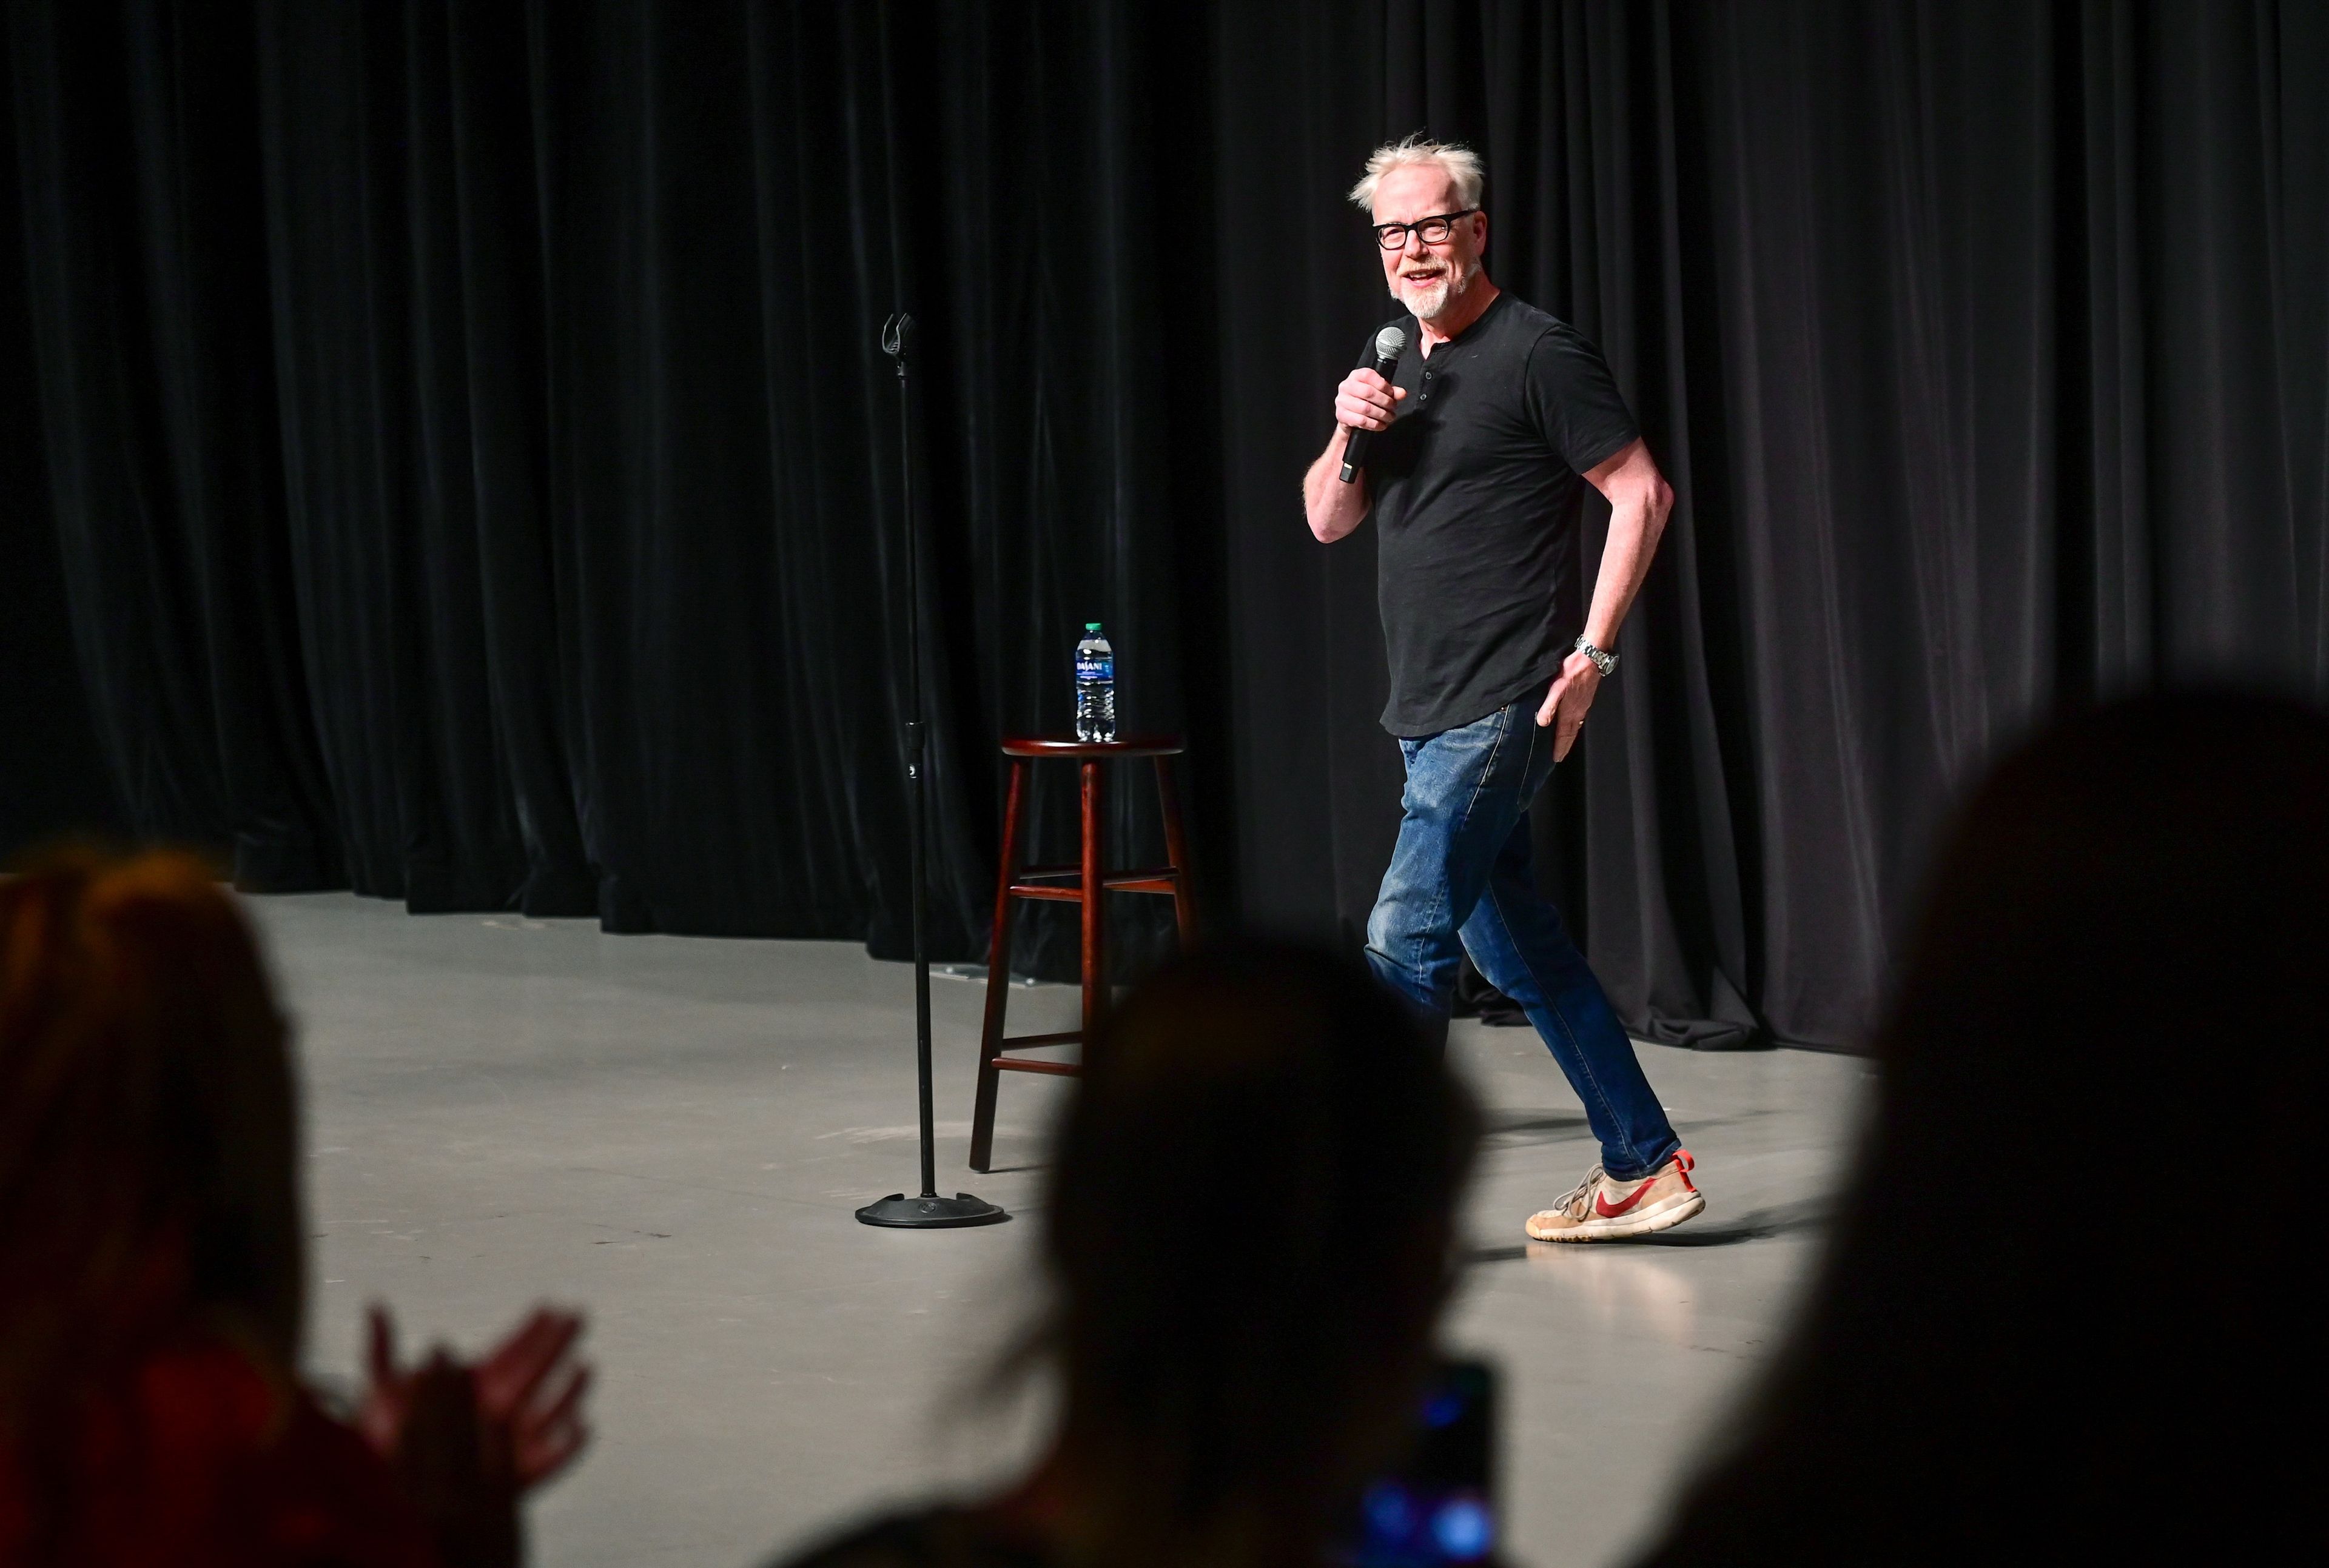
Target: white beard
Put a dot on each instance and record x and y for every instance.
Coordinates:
(1428, 304)
(1425, 303)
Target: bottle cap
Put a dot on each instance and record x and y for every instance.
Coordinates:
(1091, 626)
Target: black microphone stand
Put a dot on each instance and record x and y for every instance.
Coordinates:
(927, 1211)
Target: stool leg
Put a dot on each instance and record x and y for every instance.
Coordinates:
(1176, 855)
(998, 975)
(1094, 898)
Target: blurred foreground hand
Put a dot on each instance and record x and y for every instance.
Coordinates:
(469, 1442)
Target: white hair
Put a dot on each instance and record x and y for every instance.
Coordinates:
(1459, 163)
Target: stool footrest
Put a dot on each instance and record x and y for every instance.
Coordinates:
(1037, 1064)
(1138, 873)
(1163, 879)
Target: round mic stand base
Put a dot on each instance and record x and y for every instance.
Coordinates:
(900, 1212)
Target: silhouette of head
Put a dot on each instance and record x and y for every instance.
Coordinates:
(2061, 1274)
(147, 1125)
(1251, 1218)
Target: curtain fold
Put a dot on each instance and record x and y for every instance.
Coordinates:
(460, 440)
(142, 233)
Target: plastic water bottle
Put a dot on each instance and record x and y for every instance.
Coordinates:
(1095, 686)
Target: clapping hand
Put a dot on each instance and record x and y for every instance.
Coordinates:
(470, 1440)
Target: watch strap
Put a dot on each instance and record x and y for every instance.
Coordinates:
(1603, 660)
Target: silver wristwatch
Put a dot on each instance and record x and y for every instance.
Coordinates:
(1603, 661)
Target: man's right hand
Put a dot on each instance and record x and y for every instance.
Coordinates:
(1365, 401)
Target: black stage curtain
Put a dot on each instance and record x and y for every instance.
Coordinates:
(457, 436)
(53, 774)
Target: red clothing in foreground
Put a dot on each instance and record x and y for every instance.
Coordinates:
(196, 1462)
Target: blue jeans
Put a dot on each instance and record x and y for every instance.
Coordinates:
(1459, 883)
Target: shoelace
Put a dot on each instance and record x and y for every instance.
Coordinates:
(1582, 1193)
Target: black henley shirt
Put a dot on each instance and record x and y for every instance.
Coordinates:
(1475, 490)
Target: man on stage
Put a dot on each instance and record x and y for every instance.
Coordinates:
(1479, 435)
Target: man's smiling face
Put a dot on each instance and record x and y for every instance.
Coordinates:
(1426, 278)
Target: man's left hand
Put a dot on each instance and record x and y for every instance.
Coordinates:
(1565, 705)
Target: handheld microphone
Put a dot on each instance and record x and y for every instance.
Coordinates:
(1390, 343)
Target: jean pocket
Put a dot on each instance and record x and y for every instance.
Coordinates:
(1453, 764)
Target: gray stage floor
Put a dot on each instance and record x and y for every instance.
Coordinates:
(671, 1132)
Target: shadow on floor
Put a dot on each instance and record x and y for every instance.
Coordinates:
(1518, 1128)
(1522, 1129)
(1756, 1225)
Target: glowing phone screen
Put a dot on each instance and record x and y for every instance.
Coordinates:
(1439, 1506)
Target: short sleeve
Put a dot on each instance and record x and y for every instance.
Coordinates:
(1575, 400)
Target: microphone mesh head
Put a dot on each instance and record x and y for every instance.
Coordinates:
(1390, 343)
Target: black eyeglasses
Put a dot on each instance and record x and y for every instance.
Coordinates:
(1431, 230)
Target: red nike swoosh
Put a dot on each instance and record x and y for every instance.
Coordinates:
(1602, 1200)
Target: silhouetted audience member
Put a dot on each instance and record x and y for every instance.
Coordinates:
(1250, 1218)
(152, 1272)
(2064, 1315)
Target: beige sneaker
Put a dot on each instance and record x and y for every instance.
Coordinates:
(1598, 1209)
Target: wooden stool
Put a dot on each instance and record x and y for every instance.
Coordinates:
(1082, 883)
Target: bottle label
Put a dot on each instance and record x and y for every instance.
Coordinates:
(1095, 669)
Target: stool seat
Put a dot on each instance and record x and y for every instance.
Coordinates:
(1068, 746)
(1086, 882)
